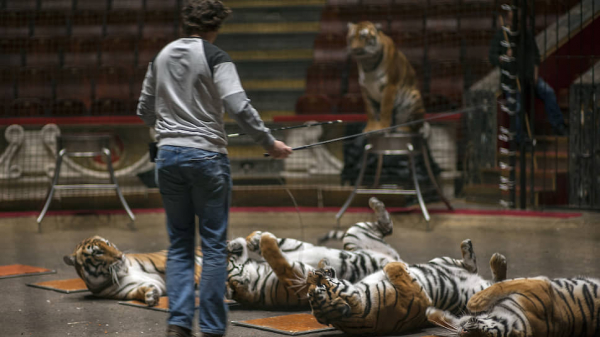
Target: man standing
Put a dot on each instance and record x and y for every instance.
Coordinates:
(543, 90)
(186, 90)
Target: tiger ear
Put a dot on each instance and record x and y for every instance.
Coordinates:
(351, 27)
(378, 26)
(441, 318)
(69, 259)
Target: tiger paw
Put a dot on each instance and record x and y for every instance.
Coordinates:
(396, 272)
(468, 254)
(480, 301)
(152, 296)
(498, 266)
(384, 221)
(372, 126)
(253, 241)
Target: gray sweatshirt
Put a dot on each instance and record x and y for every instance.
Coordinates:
(187, 88)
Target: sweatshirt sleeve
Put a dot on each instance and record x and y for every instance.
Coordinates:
(146, 104)
(235, 101)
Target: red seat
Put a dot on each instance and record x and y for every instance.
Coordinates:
(14, 24)
(148, 48)
(81, 52)
(35, 83)
(74, 84)
(443, 45)
(12, 5)
(343, 2)
(8, 83)
(138, 80)
(64, 5)
(314, 105)
(108, 107)
(407, 17)
(118, 51)
(26, 107)
(50, 24)
(96, 5)
(127, 5)
(447, 79)
(43, 52)
(68, 108)
(112, 83)
(12, 52)
(334, 19)
(324, 79)
(330, 48)
(160, 23)
(87, 23)
(161, 5)
(352, 103)
(123, 22)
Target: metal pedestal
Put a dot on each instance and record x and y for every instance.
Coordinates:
(83, 145)
(394, 144)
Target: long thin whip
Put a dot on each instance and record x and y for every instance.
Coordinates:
(437, 116)
(291, 127)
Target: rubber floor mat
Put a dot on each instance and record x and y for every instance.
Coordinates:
(295, 324)
(69, 286)
(18, 270)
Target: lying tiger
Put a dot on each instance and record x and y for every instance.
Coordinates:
(529, 307)
(109, 273)
(387, 80)
(395, 300)
(276, 276)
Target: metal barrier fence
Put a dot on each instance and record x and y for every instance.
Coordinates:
(77, 66)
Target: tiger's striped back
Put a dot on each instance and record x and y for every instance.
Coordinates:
(530, 307)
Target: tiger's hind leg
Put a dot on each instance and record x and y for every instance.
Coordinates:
(498, 267)
(384, 221)
(281, 267)
(468, 262)
(469, 259)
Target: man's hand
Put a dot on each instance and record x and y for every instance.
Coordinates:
(280, 150)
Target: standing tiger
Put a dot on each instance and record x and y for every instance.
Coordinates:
(387, 80)
(529, 307)
(395, 300)
(109, 273)
(278, 277)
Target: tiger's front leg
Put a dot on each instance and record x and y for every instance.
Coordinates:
(534, 287)
(387, 105)
(147, 293)
(373, 120)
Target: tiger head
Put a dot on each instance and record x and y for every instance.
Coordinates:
(97, 261)
(237, 275)
(324, 292)
(363, 39)
(482, 325)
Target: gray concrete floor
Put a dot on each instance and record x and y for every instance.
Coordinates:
(533, 246)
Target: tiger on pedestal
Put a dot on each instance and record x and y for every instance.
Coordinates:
(387, 80)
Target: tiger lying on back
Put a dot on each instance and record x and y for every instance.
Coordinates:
(109, 273)
(529, 307)
(280, 279)
(395, 300)
(387, 80)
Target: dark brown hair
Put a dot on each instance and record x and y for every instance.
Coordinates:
(200, 16)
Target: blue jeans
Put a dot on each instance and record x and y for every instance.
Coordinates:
(192, 183)
(544, 92)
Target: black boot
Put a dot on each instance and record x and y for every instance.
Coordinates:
(178, 331)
